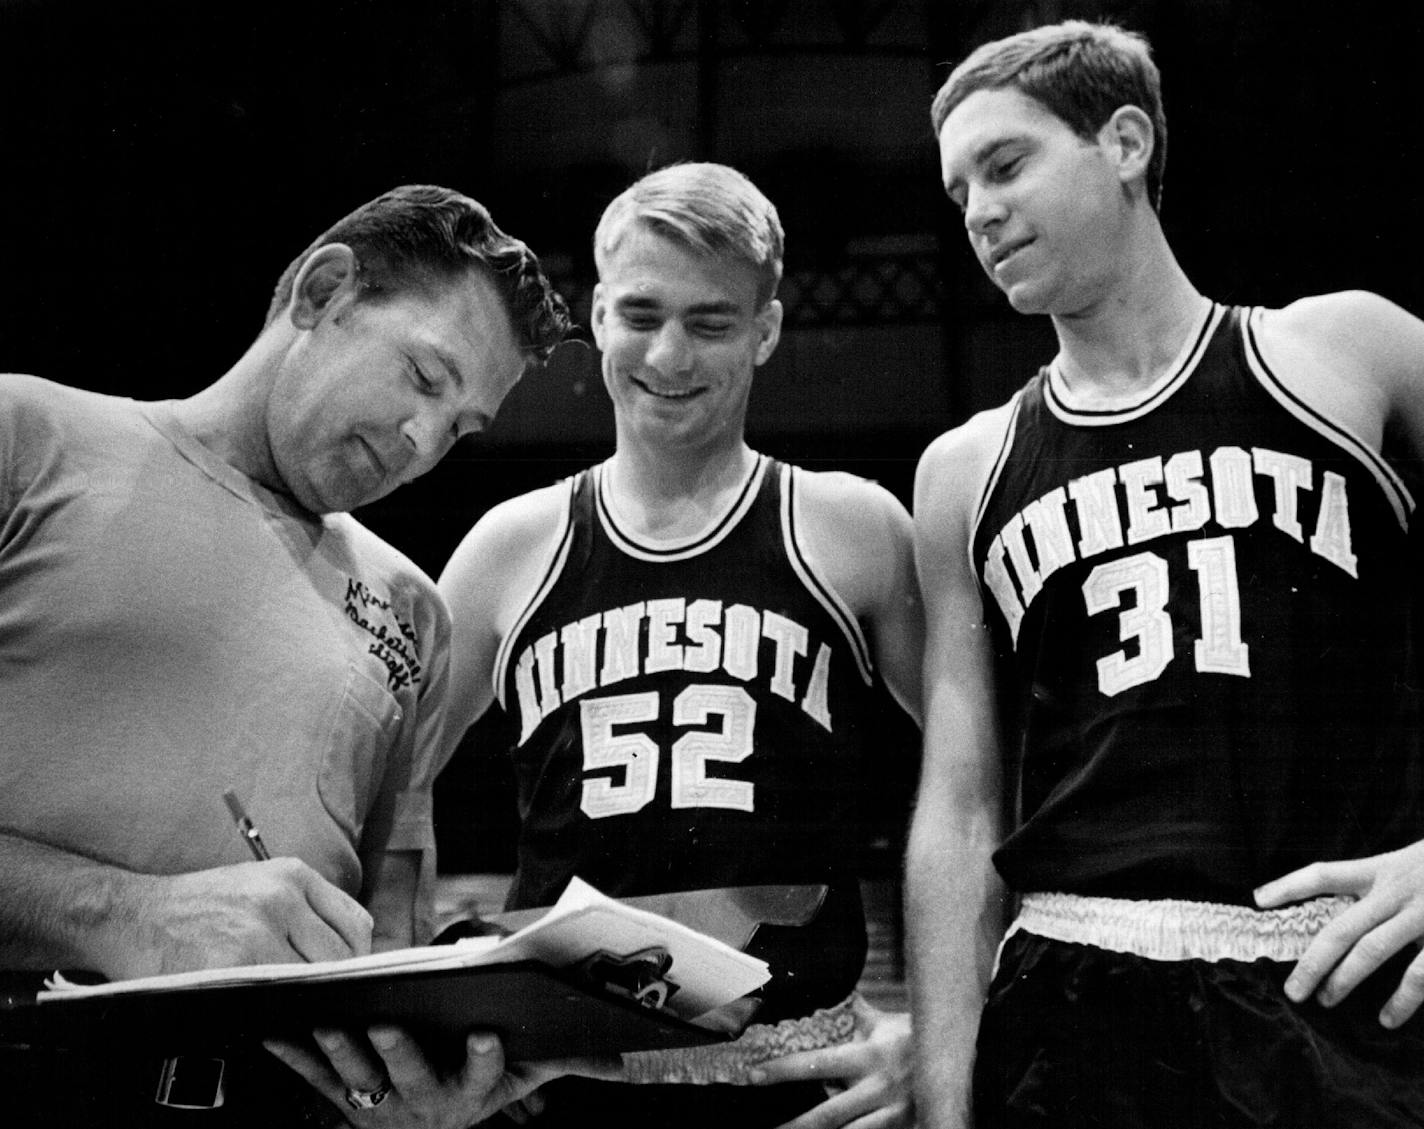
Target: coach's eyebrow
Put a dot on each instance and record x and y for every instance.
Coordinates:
(452, 369)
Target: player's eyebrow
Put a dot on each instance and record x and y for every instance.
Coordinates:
(722, 306)
(986, 152)
(981, 156)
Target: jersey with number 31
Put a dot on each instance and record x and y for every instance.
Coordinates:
(1201, 603)
(690, 715)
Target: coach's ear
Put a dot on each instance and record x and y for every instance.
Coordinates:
(326, 283)
(1129, 139)
(768, 322)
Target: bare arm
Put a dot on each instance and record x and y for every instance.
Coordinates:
(62, 910)
(860, 537)
(1360, 359)
(486, 582)
(895, 617)
(954, 900)
(392, 888)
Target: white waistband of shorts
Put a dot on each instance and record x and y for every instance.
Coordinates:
(1177, 930)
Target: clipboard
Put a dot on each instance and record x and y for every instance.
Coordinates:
(603, 1002)
(536, 1011)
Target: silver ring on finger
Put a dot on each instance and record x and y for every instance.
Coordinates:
(368, 1099)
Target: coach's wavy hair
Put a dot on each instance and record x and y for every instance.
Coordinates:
(417, 234)
(1081, 72)
(711, 209)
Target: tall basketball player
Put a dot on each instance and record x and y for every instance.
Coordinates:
(1169, 602)
(688, 636)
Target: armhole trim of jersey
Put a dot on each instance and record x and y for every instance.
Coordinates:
(1001, 460)
(551, 574)
(1395, 491)
(816, 584)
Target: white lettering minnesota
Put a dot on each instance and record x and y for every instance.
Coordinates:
(1143, 501)
(699, 637)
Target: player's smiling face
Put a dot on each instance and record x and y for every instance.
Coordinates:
(681, 334)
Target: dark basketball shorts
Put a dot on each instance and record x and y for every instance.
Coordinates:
(1131, 1019)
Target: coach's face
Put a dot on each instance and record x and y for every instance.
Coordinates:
(681, 334)
(372, 394)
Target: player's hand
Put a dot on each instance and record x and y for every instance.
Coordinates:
(868, 1080)
(249, 913)
(1387, 916)
(605, 1069)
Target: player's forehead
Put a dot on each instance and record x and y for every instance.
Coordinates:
(986, 121)
(646, 267)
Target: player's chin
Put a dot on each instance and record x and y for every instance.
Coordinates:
(1026, 298)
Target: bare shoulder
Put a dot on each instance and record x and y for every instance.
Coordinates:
(858, 535)
(955, 468)
(1352, 354)
(1348, 322)
(512, 539)
(855, 505)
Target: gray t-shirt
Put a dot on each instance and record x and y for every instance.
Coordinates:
(170, 629)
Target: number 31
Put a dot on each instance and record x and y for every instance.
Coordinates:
(1219, 650)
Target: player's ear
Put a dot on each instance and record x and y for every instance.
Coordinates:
(599, 314)
(1131, 139)
(768, 322)
(325, 282)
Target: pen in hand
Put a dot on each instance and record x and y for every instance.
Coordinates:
(246, 826)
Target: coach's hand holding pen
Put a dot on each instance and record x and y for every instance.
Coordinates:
(268, 911)
(296, 914)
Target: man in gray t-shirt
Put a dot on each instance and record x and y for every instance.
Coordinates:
(186, 608)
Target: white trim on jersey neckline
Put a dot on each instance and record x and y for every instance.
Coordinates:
(1061, 400)
(716, 531)
(677, 548)
(1395, 490)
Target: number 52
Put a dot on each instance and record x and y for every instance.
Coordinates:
(638, 755)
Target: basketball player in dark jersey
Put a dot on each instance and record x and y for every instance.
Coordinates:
(1171, 715)
(687, 637)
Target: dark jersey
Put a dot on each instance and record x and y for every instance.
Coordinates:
(1201, 607)
(693, 715)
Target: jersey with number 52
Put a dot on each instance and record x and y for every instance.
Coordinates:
(691, 715)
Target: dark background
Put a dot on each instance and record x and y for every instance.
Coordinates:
(161, 162)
